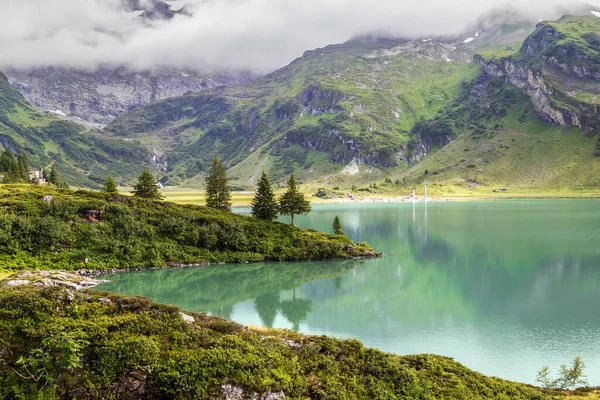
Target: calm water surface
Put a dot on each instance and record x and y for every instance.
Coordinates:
(502, 286)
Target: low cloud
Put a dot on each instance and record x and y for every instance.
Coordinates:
(219, 35)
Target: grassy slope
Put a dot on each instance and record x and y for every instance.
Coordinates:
(129, 340)
(83, 157)
(523, 152)
(268, 125)
(527, 157)
(123, 232)
(517, 149)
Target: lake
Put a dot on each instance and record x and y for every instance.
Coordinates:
(503, 287)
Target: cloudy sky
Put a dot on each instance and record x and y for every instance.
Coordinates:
(260, 35)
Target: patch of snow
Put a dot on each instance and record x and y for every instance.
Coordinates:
(185, 75)
(351, 169)
(476, 34)
(596, 13)
(469, 40)
(426, 40)
(59, 112)
(449, 60)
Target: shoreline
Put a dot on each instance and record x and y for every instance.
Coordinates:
(95, 273)
(440, 199)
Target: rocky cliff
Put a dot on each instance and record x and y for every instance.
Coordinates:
(99, 96)
(558, 67)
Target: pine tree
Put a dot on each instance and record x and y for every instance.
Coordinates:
(54, 177)
(264, 204)
(23, 167)
(9, 167)
(337, 226)
(293, 202)
(110, 186)
(147, 187)
(218, 194)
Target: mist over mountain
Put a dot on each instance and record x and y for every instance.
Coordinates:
(210, 36)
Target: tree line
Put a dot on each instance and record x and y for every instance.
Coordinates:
(15, 169)
(265, 205)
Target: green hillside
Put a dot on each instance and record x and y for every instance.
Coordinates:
(45, 228)
(374, 108)
(84, 157)
(349, 103)
(529, 122)
(59, 343)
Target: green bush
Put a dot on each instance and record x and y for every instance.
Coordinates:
(121, 232)
(58, 344)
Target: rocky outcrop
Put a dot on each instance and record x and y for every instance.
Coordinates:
(552, 71)
(100, 96)
(317, 100)
(51, 278)
(534, 84)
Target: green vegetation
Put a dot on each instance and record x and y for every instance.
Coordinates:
(43, 228)
(84, 157)
(264, 204)
(110, 186)
(58, 343)
(218, 194)
(337, 226)
(146, 187)
(293, 202)
(567, 377)
(325, 109)
(13, 170)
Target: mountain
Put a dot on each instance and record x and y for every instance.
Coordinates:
(344, 108)
(530, 119)
(97, 97)
(84, 157)
(370, 108)
(348, 104)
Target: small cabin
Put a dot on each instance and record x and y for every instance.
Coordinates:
(36, 176)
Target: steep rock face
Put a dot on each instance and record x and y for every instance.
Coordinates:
(559, 72)
(99, 97)
(316, 100)
(540, 92)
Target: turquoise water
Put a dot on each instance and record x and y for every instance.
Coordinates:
(503, 287)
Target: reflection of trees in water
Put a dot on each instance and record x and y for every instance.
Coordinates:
(266, 306)
(295, 310)
(212, 288)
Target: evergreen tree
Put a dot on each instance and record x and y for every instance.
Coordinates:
(54, 177)
(23, 167)
(9, 167)
(110, 186)
(218, 194)
(264, 204)
(147, 187)
(337, 226)
(293, 202)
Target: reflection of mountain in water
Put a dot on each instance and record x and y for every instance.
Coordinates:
(218, 289)
(442, 272)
